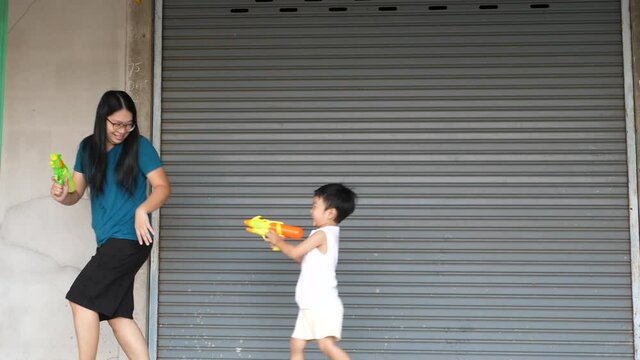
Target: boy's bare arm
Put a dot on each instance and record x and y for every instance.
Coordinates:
(297, 252)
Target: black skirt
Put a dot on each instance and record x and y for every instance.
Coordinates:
(105, 285)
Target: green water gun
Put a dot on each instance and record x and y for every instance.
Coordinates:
(60, 171)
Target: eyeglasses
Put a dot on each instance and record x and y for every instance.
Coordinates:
(121, 126)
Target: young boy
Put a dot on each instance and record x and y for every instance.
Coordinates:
(320, 308)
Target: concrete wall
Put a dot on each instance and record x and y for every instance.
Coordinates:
(61, 56)
(634, 8)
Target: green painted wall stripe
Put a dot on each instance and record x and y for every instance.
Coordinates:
(4, 14)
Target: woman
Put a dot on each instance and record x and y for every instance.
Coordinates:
(115, 163)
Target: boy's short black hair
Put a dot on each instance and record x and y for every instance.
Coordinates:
(339, 197)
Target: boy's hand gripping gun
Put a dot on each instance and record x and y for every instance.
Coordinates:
(259, 226)
(60, 171)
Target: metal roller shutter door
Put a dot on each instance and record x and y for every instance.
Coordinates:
(486, 142)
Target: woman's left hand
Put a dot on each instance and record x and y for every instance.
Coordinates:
(144, 231)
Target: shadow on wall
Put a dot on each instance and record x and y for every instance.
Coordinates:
(43, 246)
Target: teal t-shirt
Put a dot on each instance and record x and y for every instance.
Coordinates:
(113, 212)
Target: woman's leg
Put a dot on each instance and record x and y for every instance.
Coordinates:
(130, 338)
(329, 347)
(87, 325)
(297, 348)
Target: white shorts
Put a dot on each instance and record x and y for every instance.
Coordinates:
(319, 323)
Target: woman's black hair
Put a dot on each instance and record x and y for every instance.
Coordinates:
(94, 147)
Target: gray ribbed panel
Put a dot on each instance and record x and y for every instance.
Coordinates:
(487, 146)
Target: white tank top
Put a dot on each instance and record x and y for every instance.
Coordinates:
(317, 285)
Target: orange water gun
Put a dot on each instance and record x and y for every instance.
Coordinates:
(260, 226)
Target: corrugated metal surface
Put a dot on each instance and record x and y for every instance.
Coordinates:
(487, 144)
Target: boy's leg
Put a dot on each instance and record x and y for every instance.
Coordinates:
(87, 325)
(130, 338)
(297, 348)
(329, 347)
